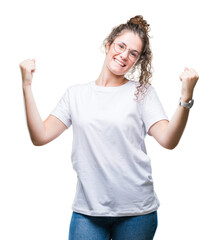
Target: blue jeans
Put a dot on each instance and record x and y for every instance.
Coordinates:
(141, 227)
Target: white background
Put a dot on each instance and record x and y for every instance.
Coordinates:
(38, 184)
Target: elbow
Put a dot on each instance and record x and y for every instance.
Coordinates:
(170, 146)
(37, 143)
(169, 143)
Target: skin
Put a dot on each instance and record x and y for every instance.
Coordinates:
(167, 133)
(112, 74)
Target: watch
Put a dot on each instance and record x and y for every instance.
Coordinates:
(185, 104)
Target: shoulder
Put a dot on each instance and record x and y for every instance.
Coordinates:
(145, 91)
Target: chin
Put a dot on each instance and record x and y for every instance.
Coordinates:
(118, 73)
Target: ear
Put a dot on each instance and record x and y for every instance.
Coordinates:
(107, 46)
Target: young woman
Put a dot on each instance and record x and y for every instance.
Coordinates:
(115, 197)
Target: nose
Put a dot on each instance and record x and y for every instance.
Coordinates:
(124, 55)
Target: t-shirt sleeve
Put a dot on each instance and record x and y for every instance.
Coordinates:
(152, 109)
(62, 109)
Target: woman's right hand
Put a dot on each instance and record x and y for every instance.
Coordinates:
(27, 68)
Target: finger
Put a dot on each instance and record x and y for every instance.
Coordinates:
(186, 69)
(193, 71)
(29, 67)
(181, 76)
(27, 61)
(195, 74)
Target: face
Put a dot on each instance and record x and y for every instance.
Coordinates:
(120, 63)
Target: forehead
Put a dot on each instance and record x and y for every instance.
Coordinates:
(132, 40)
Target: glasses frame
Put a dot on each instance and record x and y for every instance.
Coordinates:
(128, 50)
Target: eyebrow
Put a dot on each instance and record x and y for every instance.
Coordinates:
(131, 49)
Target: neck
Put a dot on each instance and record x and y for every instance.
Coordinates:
(108, 79)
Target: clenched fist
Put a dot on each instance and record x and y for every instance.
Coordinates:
(189, 79)
(27, 68)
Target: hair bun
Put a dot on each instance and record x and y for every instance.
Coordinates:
(140, 21)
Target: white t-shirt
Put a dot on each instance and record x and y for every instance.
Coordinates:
(114, 176)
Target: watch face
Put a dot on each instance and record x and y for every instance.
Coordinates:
(191, 103)
(186, 105)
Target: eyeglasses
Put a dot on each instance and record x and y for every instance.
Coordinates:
(121, 47)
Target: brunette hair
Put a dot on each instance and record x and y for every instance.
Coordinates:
(142, 69)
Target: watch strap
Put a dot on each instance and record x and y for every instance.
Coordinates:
(185, 104)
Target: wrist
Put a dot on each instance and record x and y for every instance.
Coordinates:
(185, 98)
(26, 86)
(186, 103)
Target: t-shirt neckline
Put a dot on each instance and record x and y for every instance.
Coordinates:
(108, 89)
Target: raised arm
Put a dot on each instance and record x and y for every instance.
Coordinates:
(40, 132)
(168, 134)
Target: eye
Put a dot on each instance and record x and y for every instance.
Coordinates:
(133, 54)
(121, 46)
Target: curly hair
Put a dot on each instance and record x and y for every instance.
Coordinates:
(141, 71)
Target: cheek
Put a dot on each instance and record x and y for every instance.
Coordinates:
(112, 65)
(129, 67)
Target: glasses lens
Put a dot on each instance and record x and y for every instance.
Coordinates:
(119, 47)
(133, 55)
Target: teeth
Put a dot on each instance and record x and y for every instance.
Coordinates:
(119, 62)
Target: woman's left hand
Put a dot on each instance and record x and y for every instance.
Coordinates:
(189, 79)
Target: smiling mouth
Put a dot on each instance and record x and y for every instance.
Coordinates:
(118, 62)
